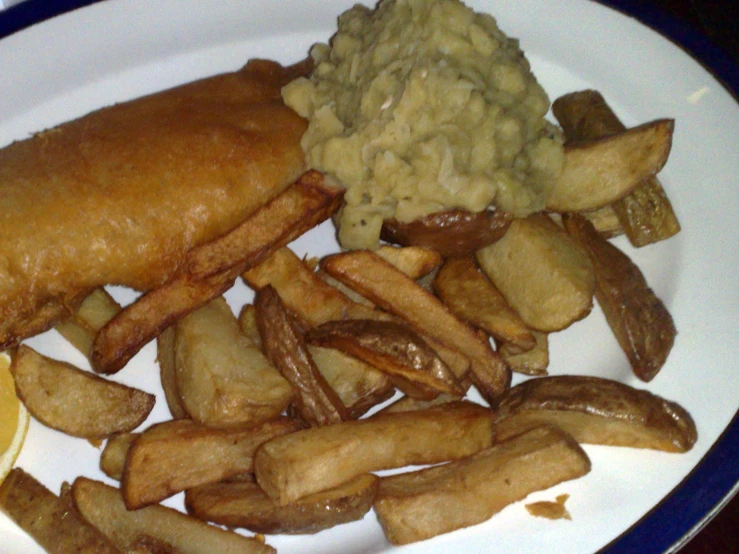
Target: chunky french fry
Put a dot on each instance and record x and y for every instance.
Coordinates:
(74, 401)
(419, 505)
(48, 519)
(645, 214)
(173, 456)
(222, 379)
(113, 457)
(542, 273)
(473, 298)
(246, 505)
(95, 311)
(103, 506)
(212, 269)
(408, 404)
(395, 292)
(293, 466)
(600, 171)
(316, 402)
(414, 261)
(168, 373)
(639, 320)
(248, 325)
(597, 411)
(453, 233)
(315, 301)
(529, 362)
(390, 347)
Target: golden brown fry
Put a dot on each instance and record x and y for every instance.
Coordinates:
(245, 505)
(113, 457)
(95, 311)
(395, 292)
(639, 320)
(316, 402)
(419, 505)
(168, 373)
(48, 518)
(248, 325)
(414, 261)
(408, 404)
(222, 380)
(542, 273)
(390, 347)
(74, 401)
(302, 206)
(473, 298)
(293, 466)
(103, 506)
(529, 362)
(453, 233)
(600, 171)
(646, 213)
(175, 455)
(597, 411)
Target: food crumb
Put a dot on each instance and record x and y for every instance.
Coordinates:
(549, 509)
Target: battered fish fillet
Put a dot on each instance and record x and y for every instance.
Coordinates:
(119, 196)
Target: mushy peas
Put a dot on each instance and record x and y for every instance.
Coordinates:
(421, 106)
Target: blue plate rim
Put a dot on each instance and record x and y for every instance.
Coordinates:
(714, 481)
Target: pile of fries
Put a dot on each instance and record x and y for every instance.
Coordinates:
(280, 421)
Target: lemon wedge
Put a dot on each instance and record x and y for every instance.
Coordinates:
(13, 419)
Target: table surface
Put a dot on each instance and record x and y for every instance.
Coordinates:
(716, 21)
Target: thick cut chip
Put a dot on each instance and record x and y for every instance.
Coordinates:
(222, 379)
(600, 171)
(95, 311)
(419, 505)
(74, 401)
(293, 466)
(409, 404)
(597, 411)
(246, 505)
(103, 506)
(395, 292)
(168, 373)
(529, 362)
(542, 273)
(113, 457)
(414, 261)
(173, 456)
(48, 518)
(640, 321)
(473, 298)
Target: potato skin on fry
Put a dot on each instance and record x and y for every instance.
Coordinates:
(452, 233)
(291, 467)
(246, 505)
(597, 411)
(419, 505)
(76, 402)
(640, 321)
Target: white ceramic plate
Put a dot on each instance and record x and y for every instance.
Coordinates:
(117, 50)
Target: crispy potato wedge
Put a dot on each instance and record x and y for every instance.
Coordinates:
(80, 329)
(600, 171)
(315, 301)
(395, 292)
(473, 298)
(418, 505)
(603, 219)
(414, 261)
(645, 214)
(390, 347)
(48, 519)
(316, 402)
(113, 457)
(222, 379)
(74, 401)
(212, 269)
(168, 373)
(409, 404)
(293, 466)
(597, 411)
(103, 506)
(246, 505)
(639, 320)
(176, 455)
(542, 273)
(248, 325)
(452, 233)
(530, 362)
